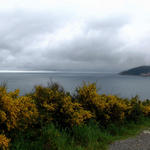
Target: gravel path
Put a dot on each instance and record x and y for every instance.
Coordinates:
(140, 142)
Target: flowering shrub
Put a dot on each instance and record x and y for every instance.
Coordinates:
(47, 100)
(73, 112)
(28, 112)
(89, 98)
(115, 108)
(105, 108)
(146, 107)
(146, 110)
(16, 111)
(54, 104)
(4, 142)
(136, 110)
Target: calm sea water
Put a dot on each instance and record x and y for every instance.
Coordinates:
(108, 83)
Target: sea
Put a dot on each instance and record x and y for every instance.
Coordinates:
(107, 83)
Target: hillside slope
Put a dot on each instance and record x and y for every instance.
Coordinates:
(142, 70)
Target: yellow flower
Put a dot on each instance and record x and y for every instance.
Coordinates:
(16, 111)
(4, 142)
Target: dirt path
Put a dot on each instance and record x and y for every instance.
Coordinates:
(140, 142)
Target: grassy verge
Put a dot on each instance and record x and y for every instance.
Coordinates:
(86, 137)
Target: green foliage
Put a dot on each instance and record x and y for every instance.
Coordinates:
(136, 110)
(90, 136)
(49, 138)
(86, 120)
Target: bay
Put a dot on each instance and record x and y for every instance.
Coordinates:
(107, 83)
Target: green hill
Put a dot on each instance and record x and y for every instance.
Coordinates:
(142, 70)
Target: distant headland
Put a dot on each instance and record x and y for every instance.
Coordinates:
(138, 71)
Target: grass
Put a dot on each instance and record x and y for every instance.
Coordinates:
(86, 137)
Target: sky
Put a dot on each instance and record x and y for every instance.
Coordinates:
(83, 35)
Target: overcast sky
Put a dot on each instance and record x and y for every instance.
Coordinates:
(93, 35)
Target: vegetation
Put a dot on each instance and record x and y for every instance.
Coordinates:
(137, 71)
(52, 119)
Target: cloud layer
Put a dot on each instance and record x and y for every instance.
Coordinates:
(74, 35)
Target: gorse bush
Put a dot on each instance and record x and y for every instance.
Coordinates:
(52, 105)
(16, 111)
(104, 108)
(57, 106)
(110, 108)
(73, 112)
(4, 142)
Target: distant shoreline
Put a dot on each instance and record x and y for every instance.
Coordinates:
(143, 71)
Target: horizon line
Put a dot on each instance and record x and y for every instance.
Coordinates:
(51, 71)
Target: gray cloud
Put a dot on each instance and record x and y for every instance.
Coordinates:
(61, 39)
